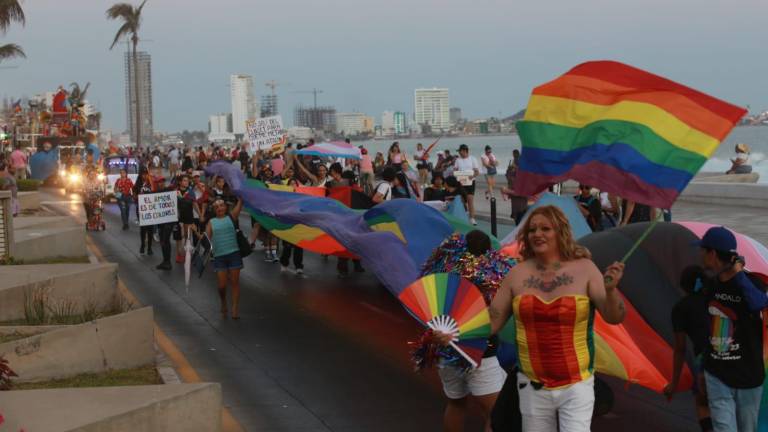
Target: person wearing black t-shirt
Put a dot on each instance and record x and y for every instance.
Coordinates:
(165, 230)
(435, 192)
(590, 207)
(733, 360)
(690, 320)
(634, 212)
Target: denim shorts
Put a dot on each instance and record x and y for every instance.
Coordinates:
(231, 261)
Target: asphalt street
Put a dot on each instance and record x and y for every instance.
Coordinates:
(316, 353)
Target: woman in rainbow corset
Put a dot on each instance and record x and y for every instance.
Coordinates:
(552, 296)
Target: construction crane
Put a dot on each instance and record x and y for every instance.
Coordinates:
(272, 84)
(314, 92)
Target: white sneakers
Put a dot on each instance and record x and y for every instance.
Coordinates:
(298, 272)
(473, 221)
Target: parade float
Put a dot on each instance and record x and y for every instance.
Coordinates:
(60, 129)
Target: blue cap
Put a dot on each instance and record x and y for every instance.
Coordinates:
(719, 239)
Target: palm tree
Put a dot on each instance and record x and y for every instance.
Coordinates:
(131, 18)
(9, 51)
(10, 11)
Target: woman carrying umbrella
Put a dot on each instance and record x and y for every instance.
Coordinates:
(227, 262)
(552, 295)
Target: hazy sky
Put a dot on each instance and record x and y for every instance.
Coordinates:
(368, 56)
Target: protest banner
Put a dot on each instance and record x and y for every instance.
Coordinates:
(264, 133)
(158, 208)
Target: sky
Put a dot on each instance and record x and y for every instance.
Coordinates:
(369, 56)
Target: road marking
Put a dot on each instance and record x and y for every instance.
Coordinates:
(180, 362)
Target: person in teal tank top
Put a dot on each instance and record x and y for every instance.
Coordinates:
(226, 239)
(227, 261)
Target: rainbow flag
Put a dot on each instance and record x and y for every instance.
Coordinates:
(621, 129)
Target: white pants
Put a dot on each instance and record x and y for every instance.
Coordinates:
(541, 408)
(488, 378)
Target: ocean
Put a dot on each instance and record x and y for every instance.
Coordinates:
(754, 136)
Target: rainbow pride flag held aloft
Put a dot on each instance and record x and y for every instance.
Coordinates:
(622, 130)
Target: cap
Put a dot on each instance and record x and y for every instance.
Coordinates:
(463, 147)
(719, 239)
(742, 148)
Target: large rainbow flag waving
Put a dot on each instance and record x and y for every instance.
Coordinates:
(624, 130)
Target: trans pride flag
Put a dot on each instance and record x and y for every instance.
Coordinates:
(621, 129)
(337, 149)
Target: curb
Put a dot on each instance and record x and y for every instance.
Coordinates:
(172, 366)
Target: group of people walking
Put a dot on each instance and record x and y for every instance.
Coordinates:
(551, 295)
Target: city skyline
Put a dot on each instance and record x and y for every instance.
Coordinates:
(490, 70)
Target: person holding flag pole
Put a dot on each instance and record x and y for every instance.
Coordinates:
(627, 132)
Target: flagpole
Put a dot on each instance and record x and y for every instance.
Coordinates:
(640, 240)
(637, 244)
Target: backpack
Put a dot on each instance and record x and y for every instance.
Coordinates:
(388, 196)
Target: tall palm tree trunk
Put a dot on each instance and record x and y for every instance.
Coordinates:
(135, 41)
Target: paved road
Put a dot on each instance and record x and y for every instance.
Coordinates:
(317, 353)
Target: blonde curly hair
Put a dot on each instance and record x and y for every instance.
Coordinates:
(569, 249)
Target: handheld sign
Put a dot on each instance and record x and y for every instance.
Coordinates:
(158, 208)
(265, 132)
(464, 177)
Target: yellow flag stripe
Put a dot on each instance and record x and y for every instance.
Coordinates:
(574, 113)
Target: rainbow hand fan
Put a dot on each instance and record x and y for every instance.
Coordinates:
(448, 303)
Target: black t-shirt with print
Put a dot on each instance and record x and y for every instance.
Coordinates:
(735, 351)
(690, 316)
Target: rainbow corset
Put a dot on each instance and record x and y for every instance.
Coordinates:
(555, 340)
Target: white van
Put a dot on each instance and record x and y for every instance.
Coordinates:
(112, 167)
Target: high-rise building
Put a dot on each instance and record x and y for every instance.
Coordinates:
(393, 123)
(353, 124)
(388, 123)
(432, 109)
(220, 128)
(144, 74)
(269, 105)
(244, 105)
(322, 118)
(400, 123)
(369, 124)
(455, 115)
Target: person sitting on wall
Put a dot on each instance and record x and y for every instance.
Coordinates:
(740, 164)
